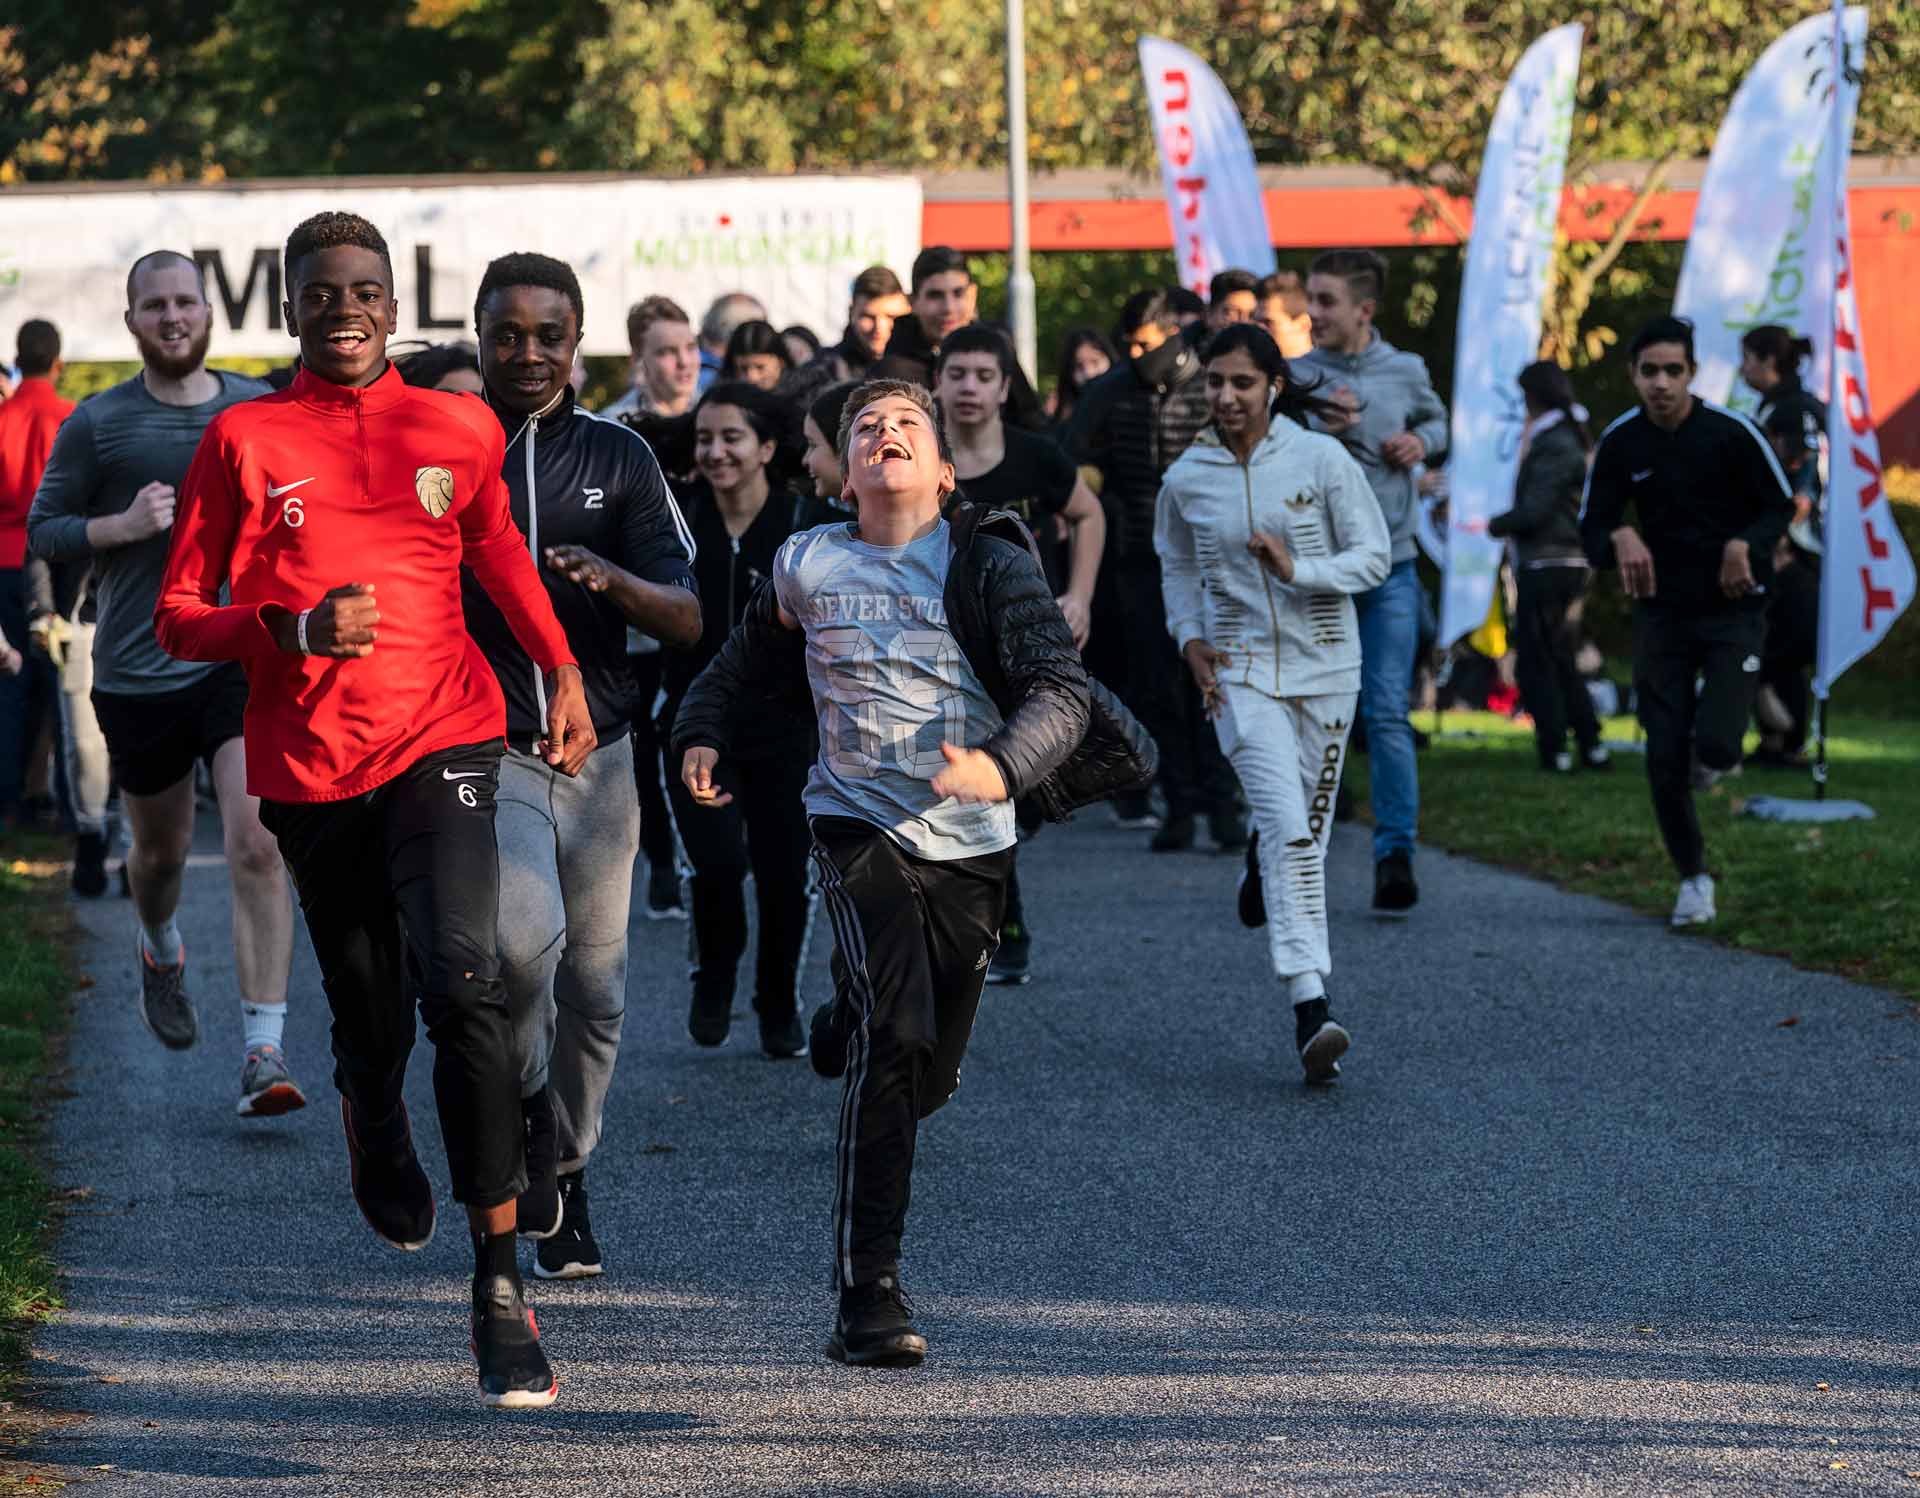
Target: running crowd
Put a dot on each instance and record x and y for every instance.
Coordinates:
(840, 618)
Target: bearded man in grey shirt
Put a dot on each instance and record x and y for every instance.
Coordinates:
(108, 493)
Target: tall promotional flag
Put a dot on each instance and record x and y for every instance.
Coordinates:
(1509, 259)
(1754, 255)
(1213, 191)
(1866, 578)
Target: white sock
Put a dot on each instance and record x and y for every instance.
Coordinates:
(1304, 988)
(163, 943)
(264, 1022)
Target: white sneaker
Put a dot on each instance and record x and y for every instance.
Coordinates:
(1563, 763)
(1695, 905)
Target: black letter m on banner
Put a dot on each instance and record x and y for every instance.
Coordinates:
(265, 266)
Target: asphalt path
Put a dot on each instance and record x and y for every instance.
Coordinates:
(1586, 1216)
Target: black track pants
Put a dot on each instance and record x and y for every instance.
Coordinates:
(764, 829)
(1670, 651)
(1546, 635)
(913, 938)
(401, 891)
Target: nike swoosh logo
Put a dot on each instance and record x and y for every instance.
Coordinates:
(275, 491)
(463, 775)
(1643, 475)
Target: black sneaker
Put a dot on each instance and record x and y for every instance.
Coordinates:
(1394, 892)
(391, 1190)
(781, 1037)
(1320, 1039)
(1012, 964)
(874, 1328)
(514, 1372)
(1228, 829)
(663, 894)
(539, 1205)
(1175, 836)
(90, 865)
(165, 1008)
(1253, 893)
(828, 1036)
(710, 1015)
(571, 1253)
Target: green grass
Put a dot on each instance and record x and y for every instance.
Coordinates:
(1832, 897)
(34, 984)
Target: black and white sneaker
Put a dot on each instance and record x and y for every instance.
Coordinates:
(781, 1038)
(514, 1372)
(663, 894)
(571, 1253)
(1012, 964)
(391, 1190)
(710, 1015)
(1320, 1039)
(539, 1205)
(1253, 892)
(874, 1328)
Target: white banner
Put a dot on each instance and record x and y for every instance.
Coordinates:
(1213, 190)
(1866, 578)
(793, 242)
(1516, 210)
(1754, 255)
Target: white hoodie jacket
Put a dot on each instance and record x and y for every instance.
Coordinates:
(1297, 639)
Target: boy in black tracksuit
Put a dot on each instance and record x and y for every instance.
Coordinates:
(1710, 502)
(919, 636)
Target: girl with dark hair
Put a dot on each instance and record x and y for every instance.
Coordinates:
(821, 427)
(1793, 419)
(1550, 568)
(757, 354)
(441, 366)
(739, 518)
(1085, 354)
(1265, 532)
(802, 343)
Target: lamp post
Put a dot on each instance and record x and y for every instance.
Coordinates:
(1020, 300)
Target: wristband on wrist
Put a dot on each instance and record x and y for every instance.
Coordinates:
(300, 631)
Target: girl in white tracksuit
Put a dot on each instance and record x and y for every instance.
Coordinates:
(1265, 531)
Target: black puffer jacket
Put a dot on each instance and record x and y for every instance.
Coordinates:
(1053, 745)
(1545, 519)
(1131, 424)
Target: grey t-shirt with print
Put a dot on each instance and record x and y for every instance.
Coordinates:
(890, 684)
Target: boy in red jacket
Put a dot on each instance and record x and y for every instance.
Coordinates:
(340, 511)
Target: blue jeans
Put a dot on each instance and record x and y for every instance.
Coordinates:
(1389, 633)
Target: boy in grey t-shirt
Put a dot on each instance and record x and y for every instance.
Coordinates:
(913, 830)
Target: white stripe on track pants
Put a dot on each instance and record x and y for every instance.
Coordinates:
(1288, 753)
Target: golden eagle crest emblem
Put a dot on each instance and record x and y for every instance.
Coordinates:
(435, 488)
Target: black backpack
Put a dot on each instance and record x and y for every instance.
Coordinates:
(1116, 755)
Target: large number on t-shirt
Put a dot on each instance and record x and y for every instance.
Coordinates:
(869, 733)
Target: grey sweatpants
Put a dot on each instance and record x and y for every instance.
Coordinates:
(566, 880)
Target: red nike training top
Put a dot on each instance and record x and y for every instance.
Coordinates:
(293, 494)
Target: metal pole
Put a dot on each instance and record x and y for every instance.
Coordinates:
(1820, 749)
(1020, 298)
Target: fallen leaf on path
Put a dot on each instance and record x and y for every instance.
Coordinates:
(1836, 1466)
(657, 1148)
(1645, 1331)
(76, 1193)
(83, 981)
(111, 1378)
(1823, 1386)
(1788, 1023)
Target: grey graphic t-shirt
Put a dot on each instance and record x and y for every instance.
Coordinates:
(890, 685)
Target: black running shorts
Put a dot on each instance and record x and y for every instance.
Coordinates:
(152, 741)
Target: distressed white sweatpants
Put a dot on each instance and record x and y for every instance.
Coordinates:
(1288, 753)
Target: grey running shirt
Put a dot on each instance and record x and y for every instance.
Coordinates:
(112, 447)
(889, 684)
